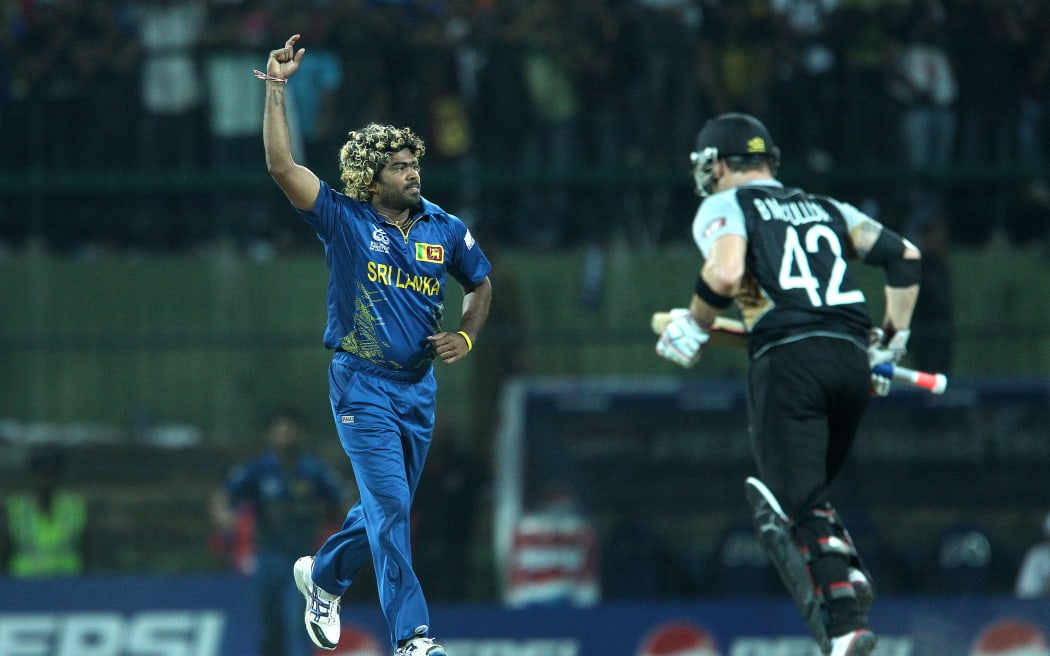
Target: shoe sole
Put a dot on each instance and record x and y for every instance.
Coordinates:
(303, 573)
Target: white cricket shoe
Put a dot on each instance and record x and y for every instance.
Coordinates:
(322, 608)
(420, 646)
(855, 643)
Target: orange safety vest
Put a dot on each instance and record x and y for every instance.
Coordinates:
(46, 544)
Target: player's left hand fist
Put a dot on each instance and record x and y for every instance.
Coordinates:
(682, 340)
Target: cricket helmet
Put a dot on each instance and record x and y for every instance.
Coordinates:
(729, 136)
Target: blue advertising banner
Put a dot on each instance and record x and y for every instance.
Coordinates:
(214, 616)
(728, 627)
(128, 616)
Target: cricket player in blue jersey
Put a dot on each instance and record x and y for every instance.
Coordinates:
(388, 251)
(292, 496)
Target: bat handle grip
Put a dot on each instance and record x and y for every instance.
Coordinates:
(935, 383)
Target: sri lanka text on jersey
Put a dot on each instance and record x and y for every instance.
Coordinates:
(390, 275)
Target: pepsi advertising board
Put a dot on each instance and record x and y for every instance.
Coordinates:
(214, 616)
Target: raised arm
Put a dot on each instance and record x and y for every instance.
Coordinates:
(297, 182)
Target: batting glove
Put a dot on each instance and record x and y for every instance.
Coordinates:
(880, 385)
(882, 350)
(682, 339)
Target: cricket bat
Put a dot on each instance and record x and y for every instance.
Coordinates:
(935, 383)
(724, 332)
(732, 332)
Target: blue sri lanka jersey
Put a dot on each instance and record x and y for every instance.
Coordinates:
(386, 292)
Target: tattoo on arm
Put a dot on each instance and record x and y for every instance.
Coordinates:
(276, 93)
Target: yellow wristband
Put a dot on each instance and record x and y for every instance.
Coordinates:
(470, 344)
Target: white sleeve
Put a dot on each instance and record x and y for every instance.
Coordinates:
(718, 215)
(853, 216)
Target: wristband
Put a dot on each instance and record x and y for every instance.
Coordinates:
(269, 78)
(470, 344)
(710, 296)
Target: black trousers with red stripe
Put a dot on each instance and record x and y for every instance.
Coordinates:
(806, 400)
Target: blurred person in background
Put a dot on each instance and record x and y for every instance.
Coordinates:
(808, 94)
(44, 530)
(291, 499)
(390, 253)
(553, 53)
(171, 96)
(235, 31)
(737, 59)
(107, 61)
(172, 89)
(1033, 578)
(50, 80)
(922, 80)
(316, 97)
(986, 40)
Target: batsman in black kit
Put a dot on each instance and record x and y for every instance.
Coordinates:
(781, 254)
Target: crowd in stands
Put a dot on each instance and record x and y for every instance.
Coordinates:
(557, 123)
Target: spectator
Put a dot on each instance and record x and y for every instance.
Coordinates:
(659, 72)
(172, 91)
(172, 103)
(317, 93)
(44, 529)
(54, 91)
(51, 104)
(868, 109)
(1031, 223)
(807, 81)
(550, 68)
(737, 60)
(985, 43)
(922, 80)
(293, 498)
(235, 33)
(504, 116)
(1033, 578)
(107, 58)
(1035, 89)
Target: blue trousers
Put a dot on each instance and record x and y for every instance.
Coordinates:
(385, 427)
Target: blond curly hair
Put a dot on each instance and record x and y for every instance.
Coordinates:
(368, 150)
